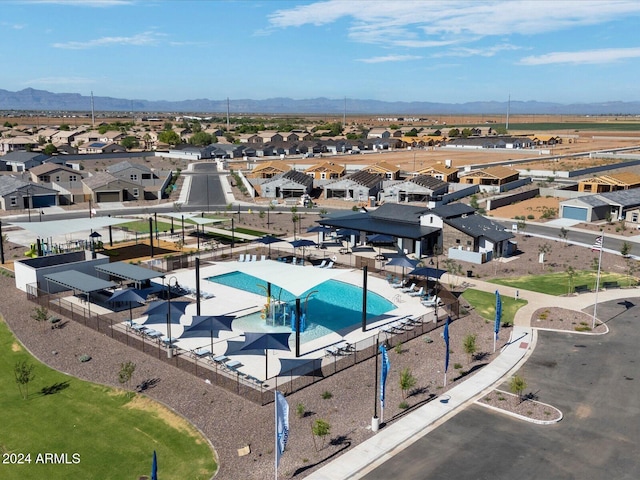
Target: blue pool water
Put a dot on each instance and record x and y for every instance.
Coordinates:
(332, 306)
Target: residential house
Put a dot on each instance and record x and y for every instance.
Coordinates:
(100, 147)
(422, 188)
(610, 182)
(21, 161)
(54, 173)
(326, 171)
(65, 137)
(104, 187)
(443, 172)
(270, 136)
(491, 176)
(379, 132)
(269, 169)
(249, 138)
(359, 186)
(291, 184)
(17, 194)
(153, 182)
(384, 170)
(13, 144)
(620, 204)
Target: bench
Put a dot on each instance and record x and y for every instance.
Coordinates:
(581, 289)
(607, 285)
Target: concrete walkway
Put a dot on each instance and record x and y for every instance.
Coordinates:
(392, 439)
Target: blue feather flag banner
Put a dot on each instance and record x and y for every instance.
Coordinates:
(386, 365)
(445, 334)
(282, 425)
(498, 313)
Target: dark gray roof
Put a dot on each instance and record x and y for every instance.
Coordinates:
(74, 280)
(298, 177)
(478, 226)
(127, 271)
(363, 222)
(24, 156)
(365, 179)
(453, 210)
(10, 184)
(429, 182)
(118, 167)
(626, 198)
(399, 213)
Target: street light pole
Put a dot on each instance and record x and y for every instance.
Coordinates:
(169, 342)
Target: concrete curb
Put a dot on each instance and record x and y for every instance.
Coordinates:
(522, 417)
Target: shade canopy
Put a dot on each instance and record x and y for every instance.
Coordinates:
(128, 271)
(79, 281)
(266, 341)
(402, 261)
(428, 272)
(128, 295)
(268, 240)
(347, 232)
(208, 324)
(303, 242)
(157, 312)
(63, 227)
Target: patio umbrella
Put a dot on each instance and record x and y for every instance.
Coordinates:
(266, 341)
(211, 324)
(302, 242)
(128, 295)
(428, 272)
(402, 261)
(268, 240)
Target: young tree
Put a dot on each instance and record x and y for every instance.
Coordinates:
(542, 251)
(23, 372)
(407, 381)
(517, 385)
(563, 234)
(320, 428)
(571, 273)
(129, 142)
(626, 248)
(126, 372)
(40, 314)
(470, 346)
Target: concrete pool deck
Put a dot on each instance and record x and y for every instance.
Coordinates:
(225, 300)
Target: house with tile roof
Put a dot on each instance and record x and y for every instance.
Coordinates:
(384, 170)
(441, 172)
(269, 169)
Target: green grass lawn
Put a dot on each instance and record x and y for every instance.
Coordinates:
(485, 304)
(112, 434)
(558, 283)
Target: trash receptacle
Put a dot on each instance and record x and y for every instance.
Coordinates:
(469, 273)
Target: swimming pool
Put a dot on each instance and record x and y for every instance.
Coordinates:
(328, 307)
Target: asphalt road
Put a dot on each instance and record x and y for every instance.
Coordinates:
(206, 189)
(593, 380)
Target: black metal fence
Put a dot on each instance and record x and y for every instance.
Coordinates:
(115, 325)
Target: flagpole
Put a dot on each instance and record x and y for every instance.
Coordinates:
(276, 450)
(595, 306)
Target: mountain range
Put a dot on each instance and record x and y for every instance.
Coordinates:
(44, 101)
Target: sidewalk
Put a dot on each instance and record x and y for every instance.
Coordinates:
(392, 439)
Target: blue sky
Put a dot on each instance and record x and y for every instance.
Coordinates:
(572, 51)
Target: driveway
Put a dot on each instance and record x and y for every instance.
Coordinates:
(593, 380)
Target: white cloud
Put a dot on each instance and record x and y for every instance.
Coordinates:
(606, 55)
(389, 23)
(143, 39)
(477, 52)
(390, 58)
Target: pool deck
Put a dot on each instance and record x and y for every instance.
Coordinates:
(235, 302)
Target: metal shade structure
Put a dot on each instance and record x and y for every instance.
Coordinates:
(319, 229)
(379, 238)
(211, 324)
(129, 295)
(402, 261)
(160, 310)
(302, 242)
(347, 232)
(429, 272)
(268, 240)
(266, 341)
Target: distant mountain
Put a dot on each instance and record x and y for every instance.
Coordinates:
(41, 100)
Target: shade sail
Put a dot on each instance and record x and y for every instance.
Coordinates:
(266, 341)
(402, 261)
(268, 240)
(303, 242)
(210, 325)
(128, 295)
(157, 312)
(428, 272)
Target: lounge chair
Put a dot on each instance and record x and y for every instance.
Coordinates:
(322, 265)
(263, 258)
(411, 288)
(431, 302)
(399, 284)
(241, 257)
(329, 265)
(419, 293)
(254, 258)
